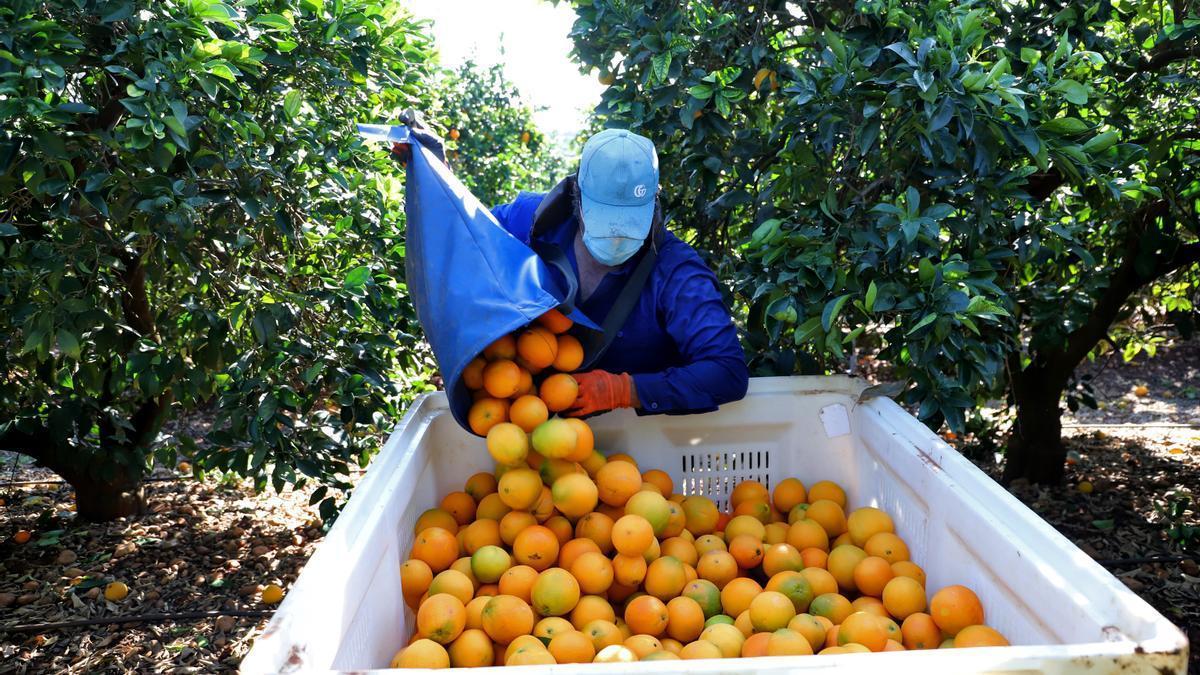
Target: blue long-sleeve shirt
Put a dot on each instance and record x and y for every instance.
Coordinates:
(679, 342)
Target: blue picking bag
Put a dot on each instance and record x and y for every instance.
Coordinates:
(471, 281)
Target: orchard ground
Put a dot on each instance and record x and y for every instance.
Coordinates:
(211, 545)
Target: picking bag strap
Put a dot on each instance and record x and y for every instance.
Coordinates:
(596, 344)
(554, 208)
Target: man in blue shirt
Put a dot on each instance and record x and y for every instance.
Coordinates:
(678, 350)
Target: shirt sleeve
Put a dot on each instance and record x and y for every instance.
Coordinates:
(517, 216)
(714, 370)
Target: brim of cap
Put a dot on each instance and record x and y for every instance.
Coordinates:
(632, 221)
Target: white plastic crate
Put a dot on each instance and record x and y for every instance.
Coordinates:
(1062, 611)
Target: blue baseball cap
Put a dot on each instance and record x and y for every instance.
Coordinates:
(618, 180)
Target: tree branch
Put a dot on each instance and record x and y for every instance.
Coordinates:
(1164, 57)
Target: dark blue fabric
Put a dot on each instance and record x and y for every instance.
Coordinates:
(679, 342)
(471, 280)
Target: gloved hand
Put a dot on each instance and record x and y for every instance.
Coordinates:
(412, 120)
(601, 391)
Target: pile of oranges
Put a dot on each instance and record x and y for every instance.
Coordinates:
(565, 555)
(601, 562)
(501, 379)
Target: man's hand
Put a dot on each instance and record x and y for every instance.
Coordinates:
(412, 120)
(601, 391)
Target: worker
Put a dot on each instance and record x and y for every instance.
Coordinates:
(678, 350)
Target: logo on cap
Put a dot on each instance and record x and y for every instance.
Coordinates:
(639, 191)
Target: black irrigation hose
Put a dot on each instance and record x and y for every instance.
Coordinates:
(137, 618)
(1119, 562)
(152, 479)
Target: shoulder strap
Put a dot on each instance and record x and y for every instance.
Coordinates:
(555, 208)
(596, 344)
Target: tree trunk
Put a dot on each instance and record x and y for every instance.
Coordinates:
(98, 500)
(1035, 448)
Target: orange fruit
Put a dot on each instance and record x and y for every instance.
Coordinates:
(862, 628)
(584, 440)
(575, 495)
(505, 347)
(755, 645)
(491, 507)
(415, 577)
(871, 575)
(570, 354)
(508, 444)
(460, 505)
(776, 533)
(748, 490)
(531, 657)
(441, 618)
(480, 485)
(486, 413)
(821, 580)
(954, 608)
(870, 605)
(903, 597)
(660, 480)
(559, 391)
(553, 469)
(827, 490)
(664, 655)
(570, 550)
(536, 547)
(520, 488)
(812, 630)
(597, 527)
(613, 512)
(475, 610)
(555, 438)
(561, 527)
(814, 557)
(665, 578)
(770, 611)
(647, 614)
(864, 523)
(594, 572)
(593, 463)
(472, 649)
(603, 633)
(615, 654)
(760, 511)
(744, 524)
(436, 517)
(747, 550)
(590, 608)
(737, 595)
(528, 412)
(422, 653)
(701, 515)
(828, 515)
(905, 568)
(832, 606)
(718, 567)
(489, 563)
(685, 619)
(700, 649)
(710, 542)
(654, 552)
(652, 506)
(893, 646)
(676, 522)
(522, 643)
(793, 585)
(555, 592)
(842, 539)
(472, 375)
(787, 642)
(546, 628)
(555, 321)
(436, 547)
(525, 385)
(706, 594)
(979, 636)
(780, 558)
(501, 378)
(629, 570)
(618, 481)
(513, 523)
(505, 617)
(572, 647)
(536, 346)
(888, 546)
(642, 645)
(842, 561)
(681, 549)
(454, 582)
(726, 637)
(632, 535)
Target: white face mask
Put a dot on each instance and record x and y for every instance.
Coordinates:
(611, 251)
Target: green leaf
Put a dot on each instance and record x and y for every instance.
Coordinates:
(1071, 90)
(1065, 126)
(1101, 142)
(701, 91)
(872, 293)
(358, 276)
(68, 343)
(661, 64)
(314, 6)
(214, 10)
(1106, 524)
(830, 313)
(276, 21)
(291, 103)
(925, 321)
(925, 271)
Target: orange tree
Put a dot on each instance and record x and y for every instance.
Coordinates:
(977, 190)
(187, 218)
(492, 143)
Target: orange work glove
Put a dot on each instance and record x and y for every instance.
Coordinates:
(601, 391)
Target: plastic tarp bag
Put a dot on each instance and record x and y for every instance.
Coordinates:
(471, 281)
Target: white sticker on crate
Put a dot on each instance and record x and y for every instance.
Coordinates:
(836, 420)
